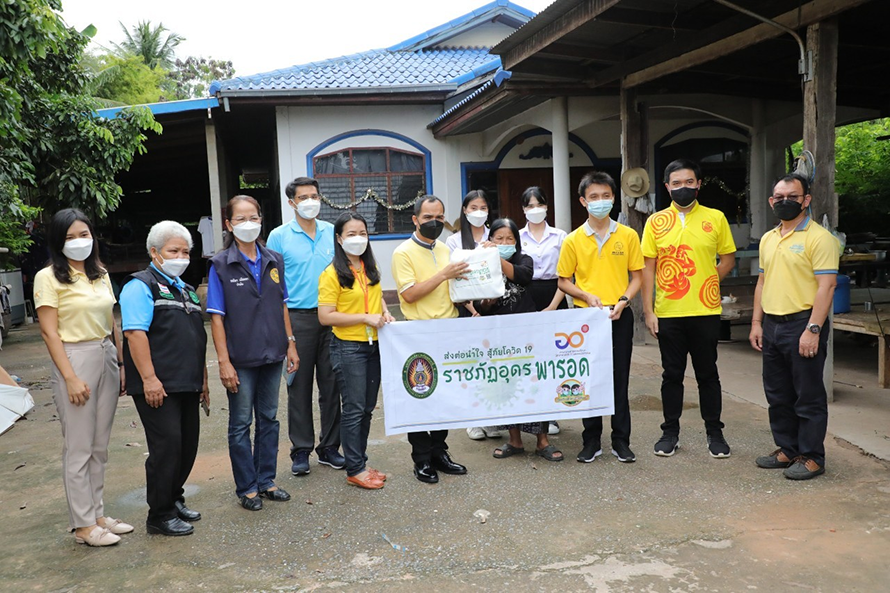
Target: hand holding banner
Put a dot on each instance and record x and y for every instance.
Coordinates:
(485, 371)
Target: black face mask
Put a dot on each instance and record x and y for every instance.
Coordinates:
(684, 196)
(432, 229)
(787, 209)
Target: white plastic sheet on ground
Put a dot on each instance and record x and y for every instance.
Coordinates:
(15, 402)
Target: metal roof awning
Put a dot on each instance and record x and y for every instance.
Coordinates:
(165, 107)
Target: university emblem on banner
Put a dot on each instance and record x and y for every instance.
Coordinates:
(419, 375)
(273, 274)
(571, 393)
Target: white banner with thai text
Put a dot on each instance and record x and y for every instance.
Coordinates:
(486, 371)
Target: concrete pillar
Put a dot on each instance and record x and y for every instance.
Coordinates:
(759, 178)
(217, 182)
(562, 190)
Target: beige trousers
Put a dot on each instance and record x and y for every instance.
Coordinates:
(87, 428)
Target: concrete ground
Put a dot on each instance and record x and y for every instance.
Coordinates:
(686, 523)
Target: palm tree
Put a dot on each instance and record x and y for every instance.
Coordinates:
(148, 42)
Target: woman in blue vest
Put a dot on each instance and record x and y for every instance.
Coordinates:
(164, 358)
(247, 301)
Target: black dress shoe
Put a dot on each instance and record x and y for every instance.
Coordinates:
(277, 495)
(426, 473)
(185, 513)
(174, 526)
(446, 465)
(251, 504)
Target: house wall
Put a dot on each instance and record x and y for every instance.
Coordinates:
(769, 126)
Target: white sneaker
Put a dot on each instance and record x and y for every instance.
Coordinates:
(491, 432)
(476, 433)
(553, 428)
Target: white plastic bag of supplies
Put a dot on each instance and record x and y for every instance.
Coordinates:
(483, 278)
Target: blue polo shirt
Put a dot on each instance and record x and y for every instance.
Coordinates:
(216, 303)
(137, 304)
(304, 260)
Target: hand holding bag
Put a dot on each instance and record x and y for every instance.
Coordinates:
(483, 279)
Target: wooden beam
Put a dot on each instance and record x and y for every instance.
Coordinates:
(645, 18)
(594, 53)
(634, 148)
(819, 115)
(583, 13)
(664, 63)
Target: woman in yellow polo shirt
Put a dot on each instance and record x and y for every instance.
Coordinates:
(350, 299)
(75, 304)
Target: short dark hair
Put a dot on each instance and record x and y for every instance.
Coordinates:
(791, 178)
(424, 200)
(679, 165)
(536, 193)
(291, 190)
(230, 206)
(597, 178)
(506, 222)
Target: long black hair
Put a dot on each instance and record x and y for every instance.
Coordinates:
(230, 207)
(55, 239)
(341, 260)
(506, 222)
(466, 238)
(533, 192)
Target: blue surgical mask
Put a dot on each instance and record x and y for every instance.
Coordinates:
(600, 208)
(506, 251)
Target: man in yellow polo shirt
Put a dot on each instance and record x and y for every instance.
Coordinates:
(420, 268)
(681, 245)
(605, 259)
(798, 273)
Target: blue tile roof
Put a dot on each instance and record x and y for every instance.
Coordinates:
(368, 70)
(413, 65)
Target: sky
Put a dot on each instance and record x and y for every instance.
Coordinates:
(263, 35)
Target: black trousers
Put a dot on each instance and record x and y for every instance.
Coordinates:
(696, 337)
(798, 404)
(542, 293)
(426, 444)
(622, 349)
(171, 432)
(314, 349)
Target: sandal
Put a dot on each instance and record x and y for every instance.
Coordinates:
(507, 450)
(549, 453)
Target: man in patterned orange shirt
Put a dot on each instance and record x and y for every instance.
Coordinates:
(681, 245)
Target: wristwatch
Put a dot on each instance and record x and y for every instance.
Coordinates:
(814, 328)
(623, 298)
(292, 339)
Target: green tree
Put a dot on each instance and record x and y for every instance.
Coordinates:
(191, 78)
(51, 141)
(124, 80)
(155, 45)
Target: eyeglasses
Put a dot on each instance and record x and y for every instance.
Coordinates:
(240, 219)
(792, 197)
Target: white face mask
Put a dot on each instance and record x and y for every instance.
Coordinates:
(173, 267)
(308, 209)
(536, 214)
(355, 245)
(247, 232)
(78, 249)
(477, 218)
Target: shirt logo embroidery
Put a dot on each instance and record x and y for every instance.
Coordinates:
(165, 292)
(796, 248)
(618, 248)
(273, 274)
(707, 227)
(194, 297)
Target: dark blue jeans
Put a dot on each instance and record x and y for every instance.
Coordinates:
(357, 368)
(798, 404)
(254, 469)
